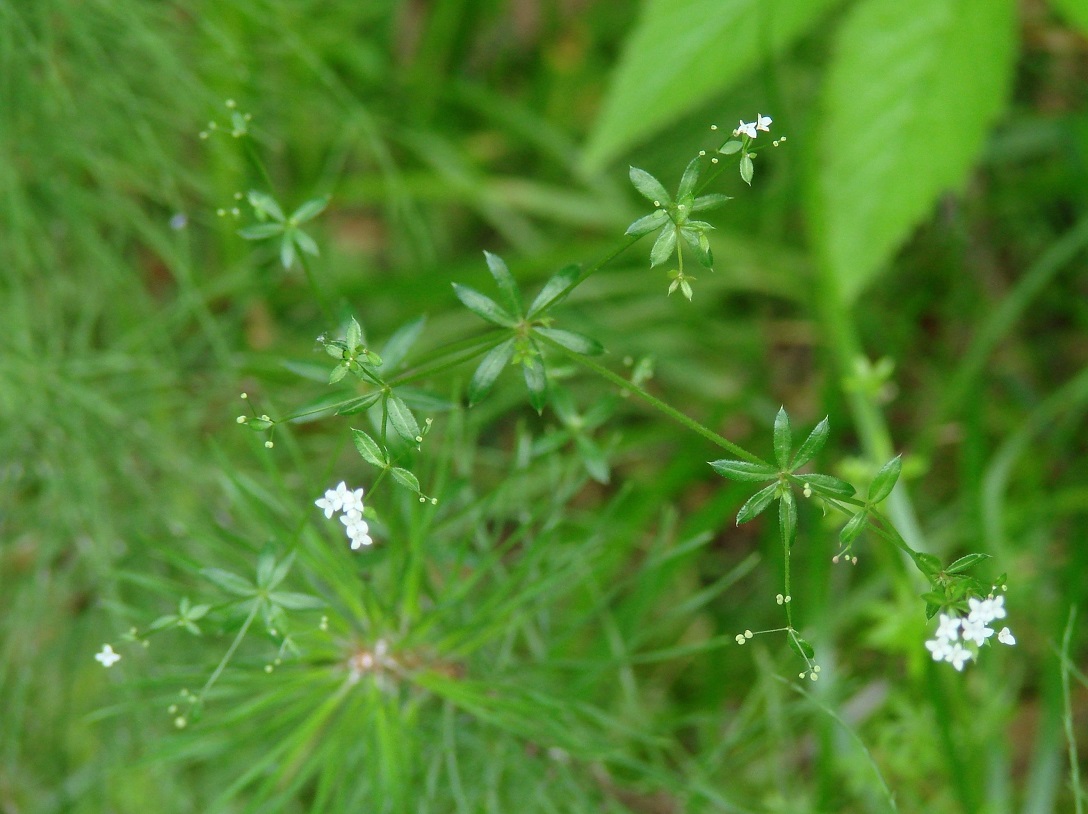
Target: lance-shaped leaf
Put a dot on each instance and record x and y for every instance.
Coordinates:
(699, 242)
(688, 181)
(787, 519)
(265, 205)
(231, 583)
(370, 449)
(853, 527)
(885, 479)
(813, 444)
(801, 647)
(572, 341)
(747, 170)
(493, 363)
(663, 246)
(744, 470)
(305, 242)
(650, 187)
(782, 439)
(405, 478)
(482, 306)
(310, 210)
(649, 223)
(508, 288)
(404, 423)
(402, 340)
(552, 292)
(536, 380)
(927, 564)
(592, 458)
(828, 485)
(260, 231)
(965, 562)
(755, 505)
(358, 405)
(711, 201)
(295, 601)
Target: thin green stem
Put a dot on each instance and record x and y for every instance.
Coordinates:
(230, 651)
(1067, 717)
(319, 295)
(658, 404)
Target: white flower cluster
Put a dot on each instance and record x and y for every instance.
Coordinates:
(749, 128)
(350, 502)
(954, 632)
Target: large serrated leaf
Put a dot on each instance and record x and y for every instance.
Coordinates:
(681, 53)
(910, 95)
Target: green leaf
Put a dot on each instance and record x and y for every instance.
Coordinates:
(405, 478)
(755, 505)
(164, 622)
(536, 380)
(488, 371)
(339, 372)
(550, 294)
(783, 441)
(731, 147)
(910, 95)
(593, 458)
(404, 423)
(265, 563)
(358, 405)
(260, 231)
(287, 251)
(787, 519)
(688, 181)
(885, 479)
(279, 573)
(310, 210)
(354, 337)
(198, 612)
(295, 601)
(402, 340)
(370, 449)
(965, 562)
(651, 189)
(231, 583)
(747, 170)
(508, 288)
(853, 527)
(305, 243)
(828, 485)
(683, 52)
(711, 201)
(743, 470)
(265, 205)
(663, 246)
(927, 564)
(813, 444)
(647, 224)
(570, 340)
(483, 306)
(801, 647)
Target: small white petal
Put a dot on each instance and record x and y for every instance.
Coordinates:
(107, 658)
(1006, 637)
(948, 628)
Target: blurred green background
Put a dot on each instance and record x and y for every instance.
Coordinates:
(929, 207)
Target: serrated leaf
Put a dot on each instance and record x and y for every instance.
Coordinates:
(260, 231)
(405, 478)
(688, 181)
(899, 70)
(650, 188)
(747, 169)
(231, 583)
(787, 519)
(402, 340)
(370, 449)
(853, 527)
(885, 479)
(783, 440)
(579, 343)
(493, 363)
(828, 485)
(508, 288)
(663, 246)
(744, 470)
(648, 223)
(755, 505)
(310, 209)
(551, 293)
(813, 444)
(683, 52)
(359, 405)
(401, 418)
(965, 562)
(482, 306)
(295, 601)
(536, 380)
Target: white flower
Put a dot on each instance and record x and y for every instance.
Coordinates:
(762, 123)
(1006, 637)
(331, 503)
(986, 610)
(353, 501)
(357, 529)
(940, 648)
(107, 658)
(959, 656)
(975, 630)
(748, 129)
(948, 628)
